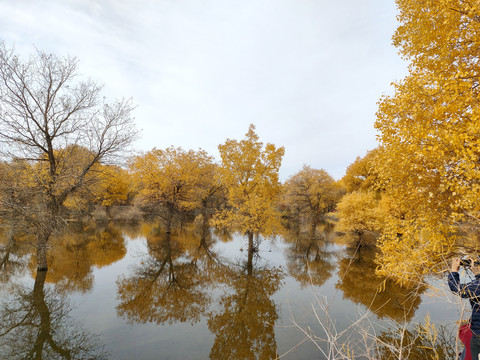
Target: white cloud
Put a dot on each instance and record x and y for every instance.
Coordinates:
(307, 73)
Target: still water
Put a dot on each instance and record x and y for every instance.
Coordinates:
(122, 292)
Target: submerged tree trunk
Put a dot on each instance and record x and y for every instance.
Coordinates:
(250, 253)
(108, 211)
(42, 244)
(313, 228)
(169, 218)
(45, 230)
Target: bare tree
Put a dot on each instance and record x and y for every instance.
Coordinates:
(60, 126)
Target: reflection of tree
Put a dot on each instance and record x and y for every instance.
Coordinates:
(78, 250)
(166, 287)
(12, 255)
(418, 343)
(244, 327)
(106, 246)
(308, 259)
(35, 325)
(359, 283)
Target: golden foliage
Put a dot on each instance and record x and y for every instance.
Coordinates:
(362, 173)
(430, 132)
(249, 172)
(114, 187)
(312, 193)
(358, 212)
(176, 179)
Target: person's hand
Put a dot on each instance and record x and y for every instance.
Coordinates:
(456, 264)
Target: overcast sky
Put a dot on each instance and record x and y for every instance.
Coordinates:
(307, 73)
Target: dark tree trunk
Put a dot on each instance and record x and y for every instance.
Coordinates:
(42, 243)
(250, 253)
(42, 310)
(108, 211)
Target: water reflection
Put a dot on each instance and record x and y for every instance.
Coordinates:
(308, 259)
(419, 343)
(359, 283)
(36, 325)
(174, 283)
(13, 253)
(244, 326)
(190, 276)
(168, 284)
(75, 253)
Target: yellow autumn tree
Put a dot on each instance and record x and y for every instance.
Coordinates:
(357, 213)
(430, 134)
(176, 180)
(312, 193)
(114, 187)
(362, 173)
(249, 172)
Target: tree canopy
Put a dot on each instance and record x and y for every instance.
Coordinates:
(430, 133)
(249, 172)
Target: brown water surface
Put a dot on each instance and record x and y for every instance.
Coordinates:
(135, 292)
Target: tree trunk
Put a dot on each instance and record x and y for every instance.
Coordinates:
(169, 219)
(42, 242)
(108, 211)
(250, 253)
(313, 228)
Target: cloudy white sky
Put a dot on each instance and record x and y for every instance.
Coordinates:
(307, 73)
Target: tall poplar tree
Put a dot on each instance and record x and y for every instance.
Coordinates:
(249, 172)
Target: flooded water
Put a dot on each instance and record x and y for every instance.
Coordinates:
(117, 292)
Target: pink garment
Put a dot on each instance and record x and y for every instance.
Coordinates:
(465, 334)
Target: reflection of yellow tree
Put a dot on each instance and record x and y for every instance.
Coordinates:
(77, 251)
(165, 288)
(423, 341)
(244, 328)
(384, 297)
(106, 246)
(35, 325)
(308, 260)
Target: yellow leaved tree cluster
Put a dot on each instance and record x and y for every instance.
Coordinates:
(310, 194)
(249, 173)
(430, 134)
(64, 150)
(175, 181)
(420, 187)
